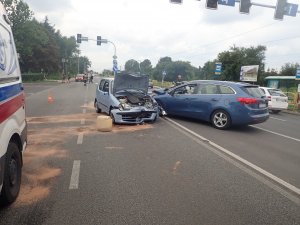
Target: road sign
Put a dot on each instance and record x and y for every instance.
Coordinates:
(291, 9)
(298, 73)
(218, 69)
(227, 2)
(249, 73)
(115, 65)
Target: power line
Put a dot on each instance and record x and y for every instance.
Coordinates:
(225, 39)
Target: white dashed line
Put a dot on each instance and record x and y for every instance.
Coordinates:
(75, 175)
(84, 111)
(277, 119)
(272, 132)
(80, 138)
(237, 158)
(82, 122)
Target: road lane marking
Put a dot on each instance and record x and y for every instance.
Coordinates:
(177, 164)
(75, 175)
(242, 161)
(80, 138)
(84, 111)
(82, 122)
(272, 132)
(277, 119)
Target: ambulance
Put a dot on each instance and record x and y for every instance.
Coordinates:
(13, 126)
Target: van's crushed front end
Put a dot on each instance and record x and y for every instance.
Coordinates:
(135, 107)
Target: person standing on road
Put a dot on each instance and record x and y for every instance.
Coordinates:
(178, 80)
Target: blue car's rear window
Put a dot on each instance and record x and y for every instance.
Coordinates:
(253, 91)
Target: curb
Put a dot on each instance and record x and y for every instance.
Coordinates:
(291, 112)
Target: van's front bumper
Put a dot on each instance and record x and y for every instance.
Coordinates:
(135, 115)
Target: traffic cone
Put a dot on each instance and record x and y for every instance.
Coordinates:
(50, 98)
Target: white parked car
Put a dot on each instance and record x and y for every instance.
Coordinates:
(277, 100)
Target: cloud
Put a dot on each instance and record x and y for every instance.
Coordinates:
(48, 6)
(153, 29)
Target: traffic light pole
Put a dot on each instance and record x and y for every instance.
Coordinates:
(99, 42)
(115, 63)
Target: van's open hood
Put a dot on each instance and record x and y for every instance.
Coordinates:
(130, 81)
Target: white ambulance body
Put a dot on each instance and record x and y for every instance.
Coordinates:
(13, 126)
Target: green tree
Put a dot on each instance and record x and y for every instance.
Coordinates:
(289, 69)
(146, 67)
(107, 73)
(173, 69)
(207, 71)
(34, 42)
(18, 13)
(132, 66)
(235, 57)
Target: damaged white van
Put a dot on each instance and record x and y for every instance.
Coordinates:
(13, 126)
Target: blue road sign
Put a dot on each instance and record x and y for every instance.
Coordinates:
(115, 68)
(218, 69)
(226, 2)
(291, 9)
(298, 73)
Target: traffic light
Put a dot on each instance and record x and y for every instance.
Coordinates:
(280, 9)
(245, 6)
(79, 38)
(98, 40)
(176, 1)
(212, 4)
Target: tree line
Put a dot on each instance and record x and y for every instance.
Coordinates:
(42, 48)
(231, 60)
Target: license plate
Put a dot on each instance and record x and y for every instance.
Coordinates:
(262, 105)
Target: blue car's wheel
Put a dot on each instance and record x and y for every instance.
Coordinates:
(220, 119)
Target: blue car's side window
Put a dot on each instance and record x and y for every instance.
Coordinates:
(185, 90)
(208, 89)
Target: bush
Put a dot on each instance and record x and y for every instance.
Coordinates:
(32, 77)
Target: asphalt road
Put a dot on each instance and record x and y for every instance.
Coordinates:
(150, 174)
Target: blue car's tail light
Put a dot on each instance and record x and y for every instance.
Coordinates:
(247, 101)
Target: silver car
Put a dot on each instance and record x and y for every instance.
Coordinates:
(125, 98)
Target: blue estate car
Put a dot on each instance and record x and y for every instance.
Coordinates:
(125, 98)
(222, 103)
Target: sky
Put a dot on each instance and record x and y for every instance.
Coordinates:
(152, 29)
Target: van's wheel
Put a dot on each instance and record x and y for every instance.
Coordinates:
(220, 119)
(98, 110)
(112, 116)
(12, 175)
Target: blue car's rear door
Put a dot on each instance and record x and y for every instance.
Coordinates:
(205, 99)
